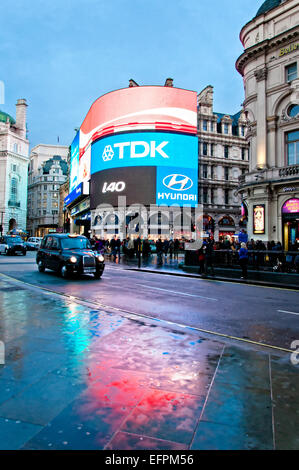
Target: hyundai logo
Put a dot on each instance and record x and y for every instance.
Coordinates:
(178, 182)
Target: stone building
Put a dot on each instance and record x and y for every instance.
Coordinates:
(269, 67)
(223, 158)
(14, 151)
(47, 172)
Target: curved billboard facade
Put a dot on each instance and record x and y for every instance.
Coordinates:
(139, 142)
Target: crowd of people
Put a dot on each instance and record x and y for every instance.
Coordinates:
(133, 247)
(240, 246)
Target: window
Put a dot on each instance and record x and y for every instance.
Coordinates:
(293, 110)
(205, 148)
(205, 195)
(45, 187)
(204, 125)
(205, 171)
(243, 153)
(212, 172)
(226, 151)
(293, 148)
(212, 150)
(242, 131)
(13, 190)
(226, 196)
(226, 172)
(291, 72)
(212, 124)
(225, 128)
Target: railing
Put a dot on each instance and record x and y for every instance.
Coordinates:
(289, 170)
(263, 260)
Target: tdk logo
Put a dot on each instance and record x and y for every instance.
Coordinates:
(136, 149)
(178, 182)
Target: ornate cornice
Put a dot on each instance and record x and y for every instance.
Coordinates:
(265, 47)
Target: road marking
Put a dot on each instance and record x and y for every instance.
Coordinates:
(286, 311)
(124, 313)
(177, 293)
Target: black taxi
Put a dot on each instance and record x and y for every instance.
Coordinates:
(69, 254)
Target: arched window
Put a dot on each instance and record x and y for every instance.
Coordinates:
(293, 110)
(13, 190)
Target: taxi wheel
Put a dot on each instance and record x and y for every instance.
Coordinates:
(97, 275)
(41, 267)
(63, 271)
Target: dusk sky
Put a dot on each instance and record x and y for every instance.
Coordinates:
(62, 55)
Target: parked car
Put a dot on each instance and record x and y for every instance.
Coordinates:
(33, 243)
(12, 245)
(69, 254)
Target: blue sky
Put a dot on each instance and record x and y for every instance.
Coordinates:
(63, 54)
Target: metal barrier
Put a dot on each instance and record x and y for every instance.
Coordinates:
(264, 260)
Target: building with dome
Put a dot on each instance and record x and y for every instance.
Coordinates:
(14, 151)
(269, 67)
(48, 169)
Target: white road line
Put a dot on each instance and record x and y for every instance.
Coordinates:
(177, 293)
(286, 311)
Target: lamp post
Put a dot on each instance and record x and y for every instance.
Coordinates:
(1, 226)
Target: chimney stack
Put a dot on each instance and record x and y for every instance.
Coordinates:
(169, 82)
(21, 112)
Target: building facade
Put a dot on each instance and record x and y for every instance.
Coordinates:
(223, 158)
(14, 159)
(47, 172)
(269, 67)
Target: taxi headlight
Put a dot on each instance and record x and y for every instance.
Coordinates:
(73, 259)
(101, 258)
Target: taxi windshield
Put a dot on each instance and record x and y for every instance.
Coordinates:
(75, 243)
(14, 239)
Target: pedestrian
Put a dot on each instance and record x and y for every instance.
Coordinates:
(176, 249)
(159, 249)
(201, 259)
(171, 248)
(243, 258)
(209, 255)
(113, 248)
(165, 247)
(296, 262)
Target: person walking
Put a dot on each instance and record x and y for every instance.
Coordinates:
(209, 255)
(159, 249)
(243, 258)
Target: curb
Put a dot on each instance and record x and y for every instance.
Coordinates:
(218, 278)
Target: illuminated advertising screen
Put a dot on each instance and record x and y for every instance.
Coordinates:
(139, 108)
(137, 185)
(144, 149)
(259, 219)
(140, 142)
(74, 162)
(291, 206)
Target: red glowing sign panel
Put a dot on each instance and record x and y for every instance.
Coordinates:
(291, 206)
(140, 108)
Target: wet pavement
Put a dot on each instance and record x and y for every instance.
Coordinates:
(82, 378)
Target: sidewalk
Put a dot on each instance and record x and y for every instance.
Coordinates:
(78, 378)
(174, 267)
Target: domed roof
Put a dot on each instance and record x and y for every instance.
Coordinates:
(4, 116)
(268, 5)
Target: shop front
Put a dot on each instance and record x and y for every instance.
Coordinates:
(290, 224)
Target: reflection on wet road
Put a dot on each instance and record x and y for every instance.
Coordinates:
(80, 378)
